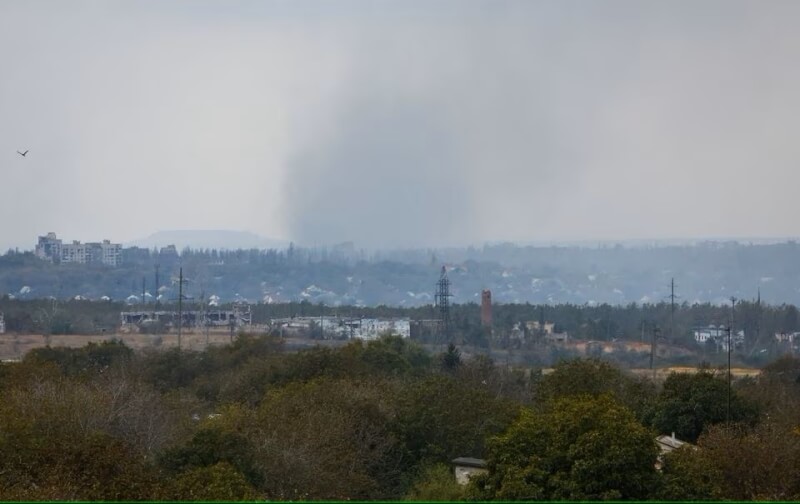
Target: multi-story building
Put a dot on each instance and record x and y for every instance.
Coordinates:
(74, 252)
(110, 253)
(52, 249)
(48, 248)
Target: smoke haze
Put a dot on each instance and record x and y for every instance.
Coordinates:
(400, 123)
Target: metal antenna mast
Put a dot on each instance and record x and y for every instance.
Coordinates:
(442, 299)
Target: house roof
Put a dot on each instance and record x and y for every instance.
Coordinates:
(469, 462)
(669, 442)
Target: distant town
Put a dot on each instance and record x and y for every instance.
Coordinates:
(338, 275)
(527, 300)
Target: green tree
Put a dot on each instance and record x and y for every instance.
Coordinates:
(325, 439)
(210, 447)
(688, 475)
(595, 377)
(580, 447)
(90, 359)
(450, 360)
(441, 417)
(776, 391)
(436, 483)
(689, 403)
(760, 463)
(217, 482)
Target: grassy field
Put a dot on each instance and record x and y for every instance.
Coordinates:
(15, 346)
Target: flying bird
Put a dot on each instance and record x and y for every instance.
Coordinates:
(22, 153)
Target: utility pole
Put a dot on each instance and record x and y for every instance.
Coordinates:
(656, 332)
(143, 289)
(157, 286)
(730, 329)
(728, 414)
(180, 306)
(672, 311)
(758, 322)
(758, 316)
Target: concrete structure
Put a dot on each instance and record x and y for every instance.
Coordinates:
(712, 332)
(547, 331)
(51, 248)
(48, 248)
(344, 327)
(787, 337)
(535, 326)
(486, 308)
(667, 444)
(191, 318)
(719, 336)
(467, 467)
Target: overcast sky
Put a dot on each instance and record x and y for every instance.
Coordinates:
(400, 123)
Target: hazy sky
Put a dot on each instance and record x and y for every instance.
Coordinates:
(400, 123)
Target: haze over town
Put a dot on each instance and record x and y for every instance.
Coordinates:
(399, 123)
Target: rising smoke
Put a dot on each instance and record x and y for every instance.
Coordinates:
(554, 120)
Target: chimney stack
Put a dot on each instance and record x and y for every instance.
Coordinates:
(486, 308)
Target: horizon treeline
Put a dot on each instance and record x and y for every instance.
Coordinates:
(759, 321)
(705, 272)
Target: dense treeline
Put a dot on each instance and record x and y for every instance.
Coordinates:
(382, 420)
(705, 272)
(760, 322)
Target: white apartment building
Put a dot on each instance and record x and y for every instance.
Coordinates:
(50, 248)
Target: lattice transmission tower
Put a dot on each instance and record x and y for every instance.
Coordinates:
(442, 300)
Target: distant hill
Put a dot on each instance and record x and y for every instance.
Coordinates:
(208, 239)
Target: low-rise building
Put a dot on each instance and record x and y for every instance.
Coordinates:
(787, 337)
(346, 327)
(718, 335)
(191, 318)
(667, 444)
(547, 331)
(467, 467)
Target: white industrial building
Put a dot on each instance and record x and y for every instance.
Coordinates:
(719, 336)
(346, 328)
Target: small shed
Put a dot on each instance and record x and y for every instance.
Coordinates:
(667, 444)
(466, 467)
